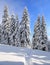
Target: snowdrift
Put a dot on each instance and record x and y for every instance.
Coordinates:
(23, 56)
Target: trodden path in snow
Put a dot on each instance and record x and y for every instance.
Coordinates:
(23, 56)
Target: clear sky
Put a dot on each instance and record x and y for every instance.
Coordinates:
(35, 7)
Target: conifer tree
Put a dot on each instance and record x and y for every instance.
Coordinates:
(17, 33)
(5, 23)
(44, 39)
(43, 30)
(25, 29)
(37, 35)
(0, 34)
(12, 28)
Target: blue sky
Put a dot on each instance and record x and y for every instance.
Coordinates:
(35, 7)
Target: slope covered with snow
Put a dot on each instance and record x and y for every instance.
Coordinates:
(23, 56)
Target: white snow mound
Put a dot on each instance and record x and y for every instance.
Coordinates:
(23, 56)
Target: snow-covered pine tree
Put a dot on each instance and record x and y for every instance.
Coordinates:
(43, 30)
(6, 26)
(12, 28)
(17, 23)
(25, 29)
(17, 33)
(37, 35)
(44, 39)
(0, 34)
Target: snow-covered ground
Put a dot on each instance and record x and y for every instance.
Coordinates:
(23, 56)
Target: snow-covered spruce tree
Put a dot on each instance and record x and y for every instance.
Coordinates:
(17, 32)
(6, 26)
(12, 28)
(25, 29)
(37, 35)
(44, 39)
(0, 34)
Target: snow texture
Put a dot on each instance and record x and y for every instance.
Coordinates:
(23, 56)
